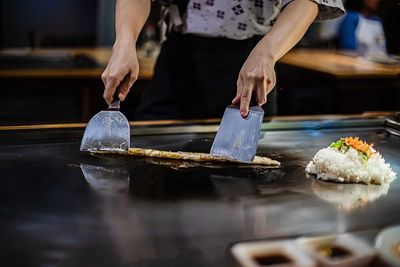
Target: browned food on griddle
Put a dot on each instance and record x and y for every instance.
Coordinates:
(192, 156)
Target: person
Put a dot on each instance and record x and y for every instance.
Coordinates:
(361, 29)
(216, 52)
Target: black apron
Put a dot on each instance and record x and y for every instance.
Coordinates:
(194, 77)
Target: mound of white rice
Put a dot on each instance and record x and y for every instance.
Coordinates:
(329, 164)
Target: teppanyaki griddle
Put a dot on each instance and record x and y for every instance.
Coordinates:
(61, 207)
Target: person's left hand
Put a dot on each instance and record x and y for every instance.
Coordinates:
(256, 76)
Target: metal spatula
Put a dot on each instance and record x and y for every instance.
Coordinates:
(237, 137)
(107, 130)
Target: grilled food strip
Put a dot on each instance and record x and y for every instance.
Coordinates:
(192, 156)
(180, 155)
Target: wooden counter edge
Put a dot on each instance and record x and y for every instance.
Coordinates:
(338, 64)
(99, 54)
(365, 115)
(61, 73)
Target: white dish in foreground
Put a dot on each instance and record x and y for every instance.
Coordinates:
(388, 245)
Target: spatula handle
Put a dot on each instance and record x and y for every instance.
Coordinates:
(115, 104)
(115, 101)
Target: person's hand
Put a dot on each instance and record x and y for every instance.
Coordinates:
(257, 76)
(121, 72)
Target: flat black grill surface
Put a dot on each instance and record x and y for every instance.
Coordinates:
(147, 212)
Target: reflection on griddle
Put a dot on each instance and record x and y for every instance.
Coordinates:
(349, 196)
(112, 184)
(152, 178)
(106, 180)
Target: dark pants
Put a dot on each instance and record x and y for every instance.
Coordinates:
(195, 77)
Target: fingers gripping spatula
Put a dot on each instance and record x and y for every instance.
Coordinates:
(237, 137)
(107, 130)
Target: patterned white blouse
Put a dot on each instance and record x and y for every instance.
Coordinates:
(241, 19)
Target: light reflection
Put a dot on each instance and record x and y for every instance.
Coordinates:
(349, 196)
(123, 222)
(106, 180)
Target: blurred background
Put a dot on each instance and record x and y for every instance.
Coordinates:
(52, 54)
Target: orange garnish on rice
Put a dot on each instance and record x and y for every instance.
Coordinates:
(359, 145)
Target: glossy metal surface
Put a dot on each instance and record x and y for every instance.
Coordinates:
(62, 207)
(107, 130)
(237, 137)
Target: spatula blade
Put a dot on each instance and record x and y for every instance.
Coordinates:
(237, 137)
(107, 130)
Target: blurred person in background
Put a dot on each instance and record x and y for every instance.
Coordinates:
(390, 14)
(216, 52)
(361, 29)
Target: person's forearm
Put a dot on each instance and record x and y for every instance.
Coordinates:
(130, 16)
(289, 28)
(123, 68)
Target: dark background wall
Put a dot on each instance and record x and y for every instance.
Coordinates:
(48, 23)
(60, 23)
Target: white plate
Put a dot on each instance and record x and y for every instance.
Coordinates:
(388, 245)
(359, 252)
(246, 253)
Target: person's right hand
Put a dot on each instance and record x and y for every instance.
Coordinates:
(121, 72)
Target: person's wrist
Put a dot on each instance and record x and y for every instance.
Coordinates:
(269, 55)
(125, 38)
(267, 51)
(124, 42)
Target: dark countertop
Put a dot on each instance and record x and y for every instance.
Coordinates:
(141, 212)
(72, 63)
